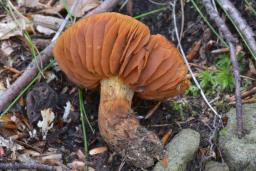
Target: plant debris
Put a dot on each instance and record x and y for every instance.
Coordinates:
(41, 127)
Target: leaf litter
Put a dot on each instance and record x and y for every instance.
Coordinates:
(59, 141)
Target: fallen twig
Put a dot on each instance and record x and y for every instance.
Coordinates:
(243, 94)
(45, 56)
(246, 101)
(232, 44)
(217, 117)
(224, 50)
(240, 23)
(13, 70)
(16, 165)
(152, 111)
(187, 63)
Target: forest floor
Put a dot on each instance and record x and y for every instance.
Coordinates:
(61, 143)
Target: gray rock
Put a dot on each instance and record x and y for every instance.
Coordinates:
(240, 154)
(181, 150)
(216, 166)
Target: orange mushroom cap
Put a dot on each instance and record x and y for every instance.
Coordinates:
(111, 44)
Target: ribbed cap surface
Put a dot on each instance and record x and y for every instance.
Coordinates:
(112, 44)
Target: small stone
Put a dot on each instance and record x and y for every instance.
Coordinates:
(216, 166)
(240, 154)
(181, 150)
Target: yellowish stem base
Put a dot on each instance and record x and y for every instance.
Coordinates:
(121, 129)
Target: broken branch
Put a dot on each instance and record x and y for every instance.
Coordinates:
(232, 44)
(243, 28)
(16, 165)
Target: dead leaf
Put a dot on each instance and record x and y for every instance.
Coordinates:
(49, 22)
(46, 31)
(8, 121)
(164, 162)
(12, 70)
(80, 155)
(53, 10)
(47, 123)
(52, 157)
(193, 51)
(98, 150)
(84, 6)
(13, 28)
(2, 87)
(26, 158)
(50, 76)
(9, 144)
(166, 137)
(28, 3)
(32, 153)
(6, 48)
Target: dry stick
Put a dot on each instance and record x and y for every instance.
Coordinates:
(246, 101)
(231, 42)
(16, 165)
(243, 94)
(244, 28)
(187, 63)
(45, 56)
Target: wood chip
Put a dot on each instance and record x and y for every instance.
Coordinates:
(98, 150)
(49, 22)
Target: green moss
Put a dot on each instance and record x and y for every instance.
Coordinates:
(223, 132)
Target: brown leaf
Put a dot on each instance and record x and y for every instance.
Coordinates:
(166, 137)
(6, 121)
(84, 6)
(193, 51)
(10, 28)
(98, 150)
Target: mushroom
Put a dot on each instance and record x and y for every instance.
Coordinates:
(118, 53)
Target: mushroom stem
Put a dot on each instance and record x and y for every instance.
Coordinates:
(121, 129)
